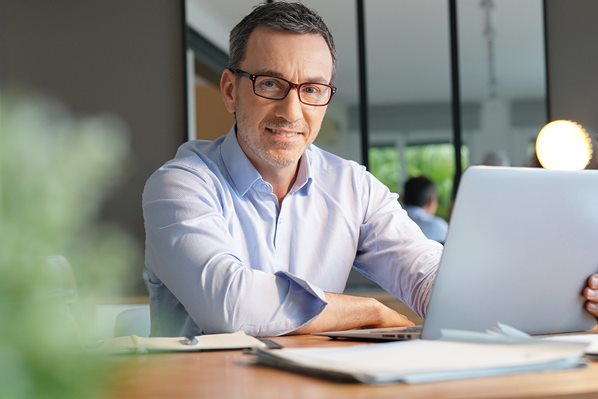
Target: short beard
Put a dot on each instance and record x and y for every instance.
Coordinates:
(261, 152)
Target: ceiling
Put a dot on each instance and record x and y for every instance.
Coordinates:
(408, 46)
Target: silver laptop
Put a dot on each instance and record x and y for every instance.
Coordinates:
(521, 244)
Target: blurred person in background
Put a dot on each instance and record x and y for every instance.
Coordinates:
(421, 202)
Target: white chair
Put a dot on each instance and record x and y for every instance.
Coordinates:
(134, 321)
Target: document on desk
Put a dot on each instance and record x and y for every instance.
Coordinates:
(420, 361)
(209, 342)
(590, 339)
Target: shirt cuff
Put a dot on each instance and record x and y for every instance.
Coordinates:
(309, 300)
(306, 285)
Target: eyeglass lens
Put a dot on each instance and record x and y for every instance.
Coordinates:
(277, 89)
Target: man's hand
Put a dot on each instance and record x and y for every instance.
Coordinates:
(344, 312)
(591, 294)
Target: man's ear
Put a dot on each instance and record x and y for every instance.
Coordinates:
(228, 91)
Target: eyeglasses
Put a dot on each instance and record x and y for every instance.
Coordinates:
(273, 88)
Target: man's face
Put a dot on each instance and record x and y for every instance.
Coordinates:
(275, 133)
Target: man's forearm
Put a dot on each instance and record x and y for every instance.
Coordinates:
(346, 311)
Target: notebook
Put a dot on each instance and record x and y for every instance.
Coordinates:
(520, 246)
(208, 342)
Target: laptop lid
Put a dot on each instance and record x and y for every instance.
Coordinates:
(520, 246)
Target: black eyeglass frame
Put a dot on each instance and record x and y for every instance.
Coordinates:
(253, 77)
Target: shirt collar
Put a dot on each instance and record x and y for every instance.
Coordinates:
(304, 177)
(240, 169)
(417, 211)
(244, 174)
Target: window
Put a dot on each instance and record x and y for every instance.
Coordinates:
(394, 165)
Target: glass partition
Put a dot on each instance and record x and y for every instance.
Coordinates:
(409, 93)
(503, 78)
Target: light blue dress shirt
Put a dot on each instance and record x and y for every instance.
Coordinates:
(434, 227)
(221, 255)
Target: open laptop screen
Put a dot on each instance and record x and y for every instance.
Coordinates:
(521, 243)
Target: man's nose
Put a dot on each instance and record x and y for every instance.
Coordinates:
(290, 108)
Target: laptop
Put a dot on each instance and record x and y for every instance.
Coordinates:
(520, 246)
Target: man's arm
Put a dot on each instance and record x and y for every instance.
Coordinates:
(393, 251)
(591, 294)
(344, 312)
(190, 252)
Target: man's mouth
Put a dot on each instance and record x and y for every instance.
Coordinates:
(283, 133)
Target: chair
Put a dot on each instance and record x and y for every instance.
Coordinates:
(134, 321)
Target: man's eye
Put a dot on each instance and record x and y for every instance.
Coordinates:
(271, 84)
(313, 89)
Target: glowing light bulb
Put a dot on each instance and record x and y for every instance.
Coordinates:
(564, 145)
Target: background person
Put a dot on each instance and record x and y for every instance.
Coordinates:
(421, 202)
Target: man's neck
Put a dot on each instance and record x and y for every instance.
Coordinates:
(281, 179)
(428, 208)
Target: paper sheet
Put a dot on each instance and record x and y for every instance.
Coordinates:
(591, 339)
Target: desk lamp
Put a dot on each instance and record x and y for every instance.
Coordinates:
(564, 145)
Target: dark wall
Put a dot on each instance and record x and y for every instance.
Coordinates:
(573, 60)
(120, 57)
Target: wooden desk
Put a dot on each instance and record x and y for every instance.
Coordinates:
(232, 374)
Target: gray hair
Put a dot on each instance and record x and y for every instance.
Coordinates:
(290, 17)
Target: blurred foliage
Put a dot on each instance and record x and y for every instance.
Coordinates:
(435, 161)
(54, 171)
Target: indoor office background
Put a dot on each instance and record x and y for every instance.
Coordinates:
(153, 63)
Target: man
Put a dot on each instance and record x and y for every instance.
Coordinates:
(258, 230)
(421, 202)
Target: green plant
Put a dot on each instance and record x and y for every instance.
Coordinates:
(54, 172)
